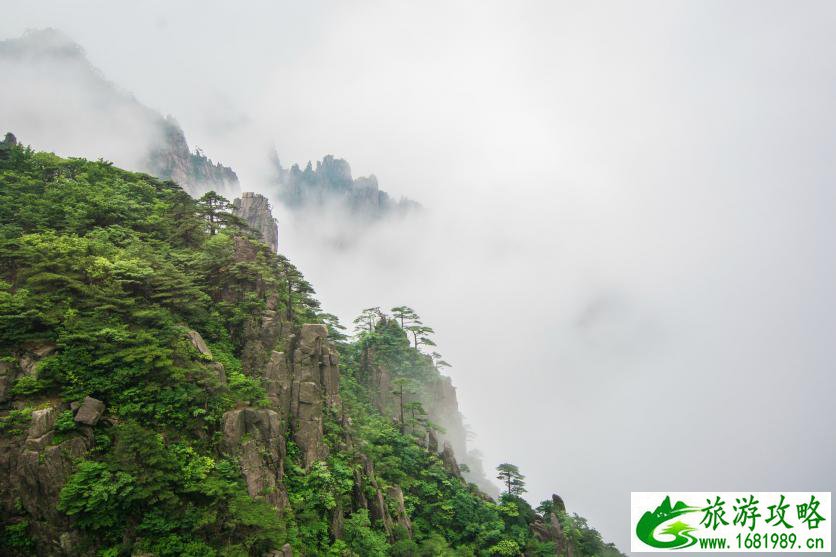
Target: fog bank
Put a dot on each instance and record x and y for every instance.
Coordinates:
(628, 253)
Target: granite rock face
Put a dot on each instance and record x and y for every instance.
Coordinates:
(254, 209)
(171, 158)
(33, 469)
(90, 411)
(255, 436)
(199, 344)
(302, 387)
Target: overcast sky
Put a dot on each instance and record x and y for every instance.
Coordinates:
(629, 251)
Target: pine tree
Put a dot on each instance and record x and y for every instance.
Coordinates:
(512, 478)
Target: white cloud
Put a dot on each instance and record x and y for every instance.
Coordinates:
(629, 252)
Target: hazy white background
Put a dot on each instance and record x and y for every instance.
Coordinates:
(629, 252)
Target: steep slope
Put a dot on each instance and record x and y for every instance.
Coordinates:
(254, 209)
(169, 386)
(51, 93)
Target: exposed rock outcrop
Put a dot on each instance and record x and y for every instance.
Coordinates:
(198, 343)
(395, 494)
(7, 378)
(314, 384)
(261, 332)
(254, 209)
(550, 530)
(432, 442)
(441, 403)
(331, 184)
(376, 504)
(255, 436)
(449, 460)
(90, 411)
(172, 159)
(33, 469)
(6, 145)
(25, 362)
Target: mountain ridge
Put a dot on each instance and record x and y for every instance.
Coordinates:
(170, 386)
(76, 105)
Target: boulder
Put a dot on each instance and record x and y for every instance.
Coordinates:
(90, 411)
(198, 342)
(33, 479)
(43, 422)
(29, 360)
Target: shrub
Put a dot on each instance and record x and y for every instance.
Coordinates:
(65, 423)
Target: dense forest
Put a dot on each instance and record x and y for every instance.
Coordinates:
(170, 386)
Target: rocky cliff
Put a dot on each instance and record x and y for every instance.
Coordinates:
(330, 184)
(169, 388)
(254, 209)
(51, 94)
(170, 158)
(437, 396)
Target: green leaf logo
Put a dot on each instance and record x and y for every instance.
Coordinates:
(681, 532)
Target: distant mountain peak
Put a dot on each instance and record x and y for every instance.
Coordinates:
(54, 96)
(331, 182)
(48, 41)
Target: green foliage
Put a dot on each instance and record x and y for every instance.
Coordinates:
(586, 539)
(98, 497)
(361, 538)
(114, 268)
(16, 421)
(510, 475)
(15, 538)
(505, 547)
(27, 385)
(109, 266)
(315, 495)
(65, 422)
(176, 499)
